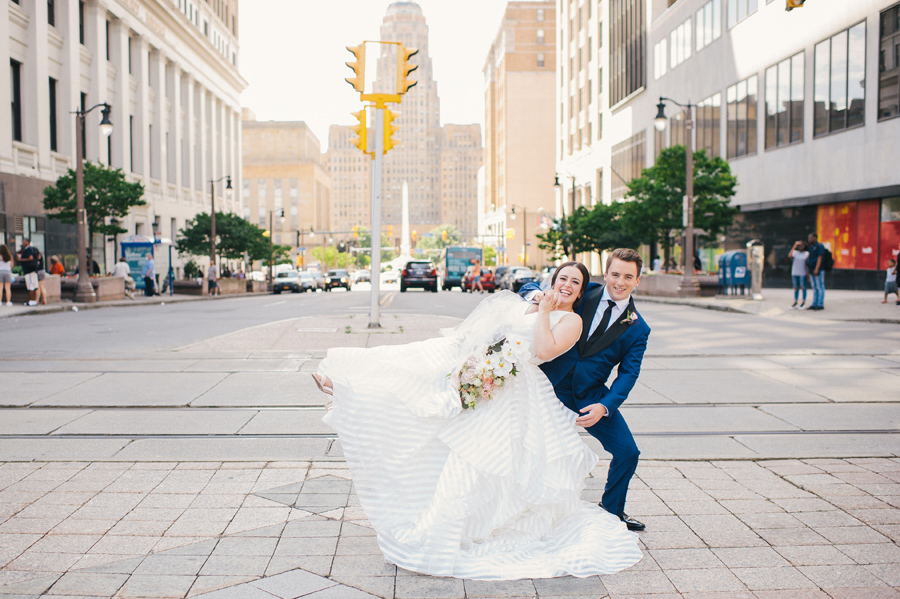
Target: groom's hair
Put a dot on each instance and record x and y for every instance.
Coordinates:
(626, 255)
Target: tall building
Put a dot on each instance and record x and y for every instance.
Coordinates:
(351, 178)
(802, 104)
(520, 93)
(169, 70)
(461, 157)
(436, 182)
(284, 173)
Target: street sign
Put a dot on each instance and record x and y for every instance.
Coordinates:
(301, 249)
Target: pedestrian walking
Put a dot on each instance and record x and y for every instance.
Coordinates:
(476, 276)
(799, 273)
(890, 282)
(28, 259)
(41, 274)
(814, 265)
(213, 287)
(148, 271)
(121, 269)
(6, 276)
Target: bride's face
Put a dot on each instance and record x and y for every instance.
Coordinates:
(569, 283)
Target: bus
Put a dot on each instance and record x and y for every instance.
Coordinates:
(454, 261)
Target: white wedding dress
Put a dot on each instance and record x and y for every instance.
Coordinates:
(491, 493)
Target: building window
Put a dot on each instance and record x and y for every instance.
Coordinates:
(107, 39)
(150, 150)
(540, 14)
(15, 76)
(889, 64)
(784, 102)
(660, 58)
(131, 143)
(840, 92)
(629, 158)
(540, 36)
(741, 132)
(627, 41)
(680, 44)
(81, 21)
(738, 10)
(53, 145)
(708, 23)
(708, 117)
(540, 59)
(130, 69)
(51, 13)
(109, 150)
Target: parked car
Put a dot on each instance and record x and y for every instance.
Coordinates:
(487, 280)
(337, 278)
(390, 276)
(516, 277)
(257, 275)
(307, 282)
(499, 273)
(545, 273)
(288, 280)
(319, 278)
(419, 273)
(361, 275)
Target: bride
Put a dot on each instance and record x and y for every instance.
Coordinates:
(488, 493)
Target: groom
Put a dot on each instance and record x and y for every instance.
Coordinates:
(613, 334)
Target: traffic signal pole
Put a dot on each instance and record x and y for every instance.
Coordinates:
(374, 305)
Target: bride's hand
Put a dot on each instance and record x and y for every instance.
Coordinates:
(549, 301)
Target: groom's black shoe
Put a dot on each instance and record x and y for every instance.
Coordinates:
(630, 523)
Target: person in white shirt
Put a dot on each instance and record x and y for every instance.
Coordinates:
(890, 281)
(799, 272)
(121, 269)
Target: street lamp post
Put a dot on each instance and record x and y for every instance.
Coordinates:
(562, 207)
(689, 286)
(84, 292)
(212, 215)
(271, 246)
(524, 231)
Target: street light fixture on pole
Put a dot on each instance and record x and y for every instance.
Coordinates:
(212, 215)
(271, 247)
(689, 285)
(84, 292)
(512, 216)
(562, 206)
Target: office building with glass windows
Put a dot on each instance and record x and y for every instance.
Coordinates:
(168, 69)
(803, 104)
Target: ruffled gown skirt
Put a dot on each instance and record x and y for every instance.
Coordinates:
(491, 493)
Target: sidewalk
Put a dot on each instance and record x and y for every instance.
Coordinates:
(139, 300)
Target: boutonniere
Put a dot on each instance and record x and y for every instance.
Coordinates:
(630, 318)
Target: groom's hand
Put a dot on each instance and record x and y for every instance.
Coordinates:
(591, 415)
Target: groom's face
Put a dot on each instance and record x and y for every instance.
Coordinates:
(621, 279)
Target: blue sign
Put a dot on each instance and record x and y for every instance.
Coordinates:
(301, 249)
(135, 253)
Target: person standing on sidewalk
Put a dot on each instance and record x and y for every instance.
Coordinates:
(148, 271)
(816, 273)
(213, 287)
(890, 281)
(29, 258)
(799, 273)
(6, 276)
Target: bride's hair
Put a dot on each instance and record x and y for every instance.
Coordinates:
(585, 273)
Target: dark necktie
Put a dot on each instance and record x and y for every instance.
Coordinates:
(604, 322)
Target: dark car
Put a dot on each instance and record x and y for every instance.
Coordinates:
(288, 280)
(337, 278)
(516, 277)
(488, 283)
(419, 273)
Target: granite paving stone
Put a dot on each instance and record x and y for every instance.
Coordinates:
(88, 583)
(156, 585)
(840, 576)
(813, 555)
(509, 589)
(570, 586)
(293, 584)
(416, 587)
(162, 563)
(232, 565)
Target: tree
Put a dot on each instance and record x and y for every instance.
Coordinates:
(365, 241)
(234, 237)
(656, 212)
(106, 195)
(436, 241)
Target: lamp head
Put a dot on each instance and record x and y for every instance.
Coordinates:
(660, 121)
(556, 181)
(106, 126)
(512, 216)
(228, 182)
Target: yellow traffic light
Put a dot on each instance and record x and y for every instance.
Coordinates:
(361, 141)
(444, 235)
(510, 233)
(390, 129)
(413, 236)
(356, 230)
(390, 230)
(359, 67)
(404, 68)
(792, 4)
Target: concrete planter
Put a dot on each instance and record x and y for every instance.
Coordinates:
(190, 287)
(231, 286)
(52, 287)
(256, 286)
(666, 285)
(105, 288)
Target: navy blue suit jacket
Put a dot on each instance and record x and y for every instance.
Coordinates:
(590, 361)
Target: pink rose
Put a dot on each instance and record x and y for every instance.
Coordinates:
(485, 393)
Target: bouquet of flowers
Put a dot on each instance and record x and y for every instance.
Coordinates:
(484, 372)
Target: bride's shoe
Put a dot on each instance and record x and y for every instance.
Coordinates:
(321, 383)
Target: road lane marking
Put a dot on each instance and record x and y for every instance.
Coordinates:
(275, 303)
(387, 299)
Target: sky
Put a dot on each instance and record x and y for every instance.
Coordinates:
(292, 54)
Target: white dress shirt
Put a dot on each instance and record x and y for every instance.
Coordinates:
(617, 311)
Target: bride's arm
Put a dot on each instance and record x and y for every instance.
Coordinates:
(550, 343)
